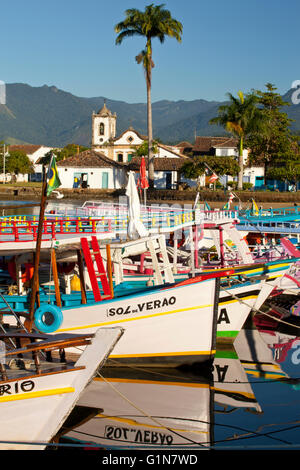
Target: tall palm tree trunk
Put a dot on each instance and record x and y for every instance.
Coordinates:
(241, 164)
(149, 65)
(150, 138)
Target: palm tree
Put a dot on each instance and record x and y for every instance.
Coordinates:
(154, 22)
(240, 117)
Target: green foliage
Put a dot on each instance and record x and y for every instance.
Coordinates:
(142, 150)
(220, 165)
(17, 162)
(276, 143)
(240, 117)
(62, 154)
(287, 170)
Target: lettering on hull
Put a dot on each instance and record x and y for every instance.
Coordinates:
(141, 307)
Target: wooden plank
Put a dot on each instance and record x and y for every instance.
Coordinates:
(109, 270)
(81, 277)
(47, 346)
(55, 277)
(60, 370)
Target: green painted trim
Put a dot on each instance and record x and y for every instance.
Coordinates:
(226, 354)
(227, 334)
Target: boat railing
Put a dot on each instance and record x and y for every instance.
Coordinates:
(220, 214)
(27, 230)
(23, 228)
(269, 226)
(279, 212)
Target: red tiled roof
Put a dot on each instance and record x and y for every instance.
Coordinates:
(160, 164)
(89, 159)
(28, 149)
(204, 144)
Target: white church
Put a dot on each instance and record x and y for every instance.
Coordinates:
(106, 164)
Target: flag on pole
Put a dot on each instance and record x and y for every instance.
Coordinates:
(228, 203)
(213, 178)
(53, 178)
(254, 209)
(142, 181)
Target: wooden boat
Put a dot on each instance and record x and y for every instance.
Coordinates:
(169, 324)
(36, 394)
(171, 306)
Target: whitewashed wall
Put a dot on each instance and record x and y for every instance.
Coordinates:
(41, 152)
(125, 139)
(116, 177)
(229, 152)
(109, 129)
(252, 172)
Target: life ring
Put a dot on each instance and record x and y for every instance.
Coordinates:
(48, 318)
(65, 268)
(180, 241)
(26, 272)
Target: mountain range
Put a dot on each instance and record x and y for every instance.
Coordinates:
(48, 116)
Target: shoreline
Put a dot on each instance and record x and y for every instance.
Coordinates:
(215, 199)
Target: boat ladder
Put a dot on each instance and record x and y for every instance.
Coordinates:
(153, 244)
(92, 255)
(165, 267)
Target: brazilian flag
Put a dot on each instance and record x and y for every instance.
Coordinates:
(53, 178)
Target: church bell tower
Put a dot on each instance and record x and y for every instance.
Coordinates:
(103, 126)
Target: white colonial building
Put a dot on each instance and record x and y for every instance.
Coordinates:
(224, 147)
(121, 149)
(90, 169)
(34, 153)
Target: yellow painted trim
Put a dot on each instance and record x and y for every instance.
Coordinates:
(117, 322)
(42, 393)
(261, 364)
(244, 394)
(185, 353)
(153, 382)
(266, 374)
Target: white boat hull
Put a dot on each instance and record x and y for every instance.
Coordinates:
(34, 408)
(162, 325)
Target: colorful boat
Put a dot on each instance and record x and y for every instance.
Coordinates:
(37, 395)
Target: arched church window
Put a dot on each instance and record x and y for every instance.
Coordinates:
(101, 129)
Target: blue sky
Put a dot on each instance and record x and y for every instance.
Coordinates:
(226, 46)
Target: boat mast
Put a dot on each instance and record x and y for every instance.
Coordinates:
(35, 281)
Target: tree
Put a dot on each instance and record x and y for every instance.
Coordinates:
(220, 165)
(154, 22)
(18, 162)
(143, 149)
(287, 171)
(240, 117)
(276, 142)
(62, 154)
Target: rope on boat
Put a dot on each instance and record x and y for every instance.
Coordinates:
(158, 423)
(258, 310)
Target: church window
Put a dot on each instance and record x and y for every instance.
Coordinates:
(130, 139)
(101, 129)
(120, 157)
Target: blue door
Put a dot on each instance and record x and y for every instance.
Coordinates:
(104, 180)
(259, 181)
